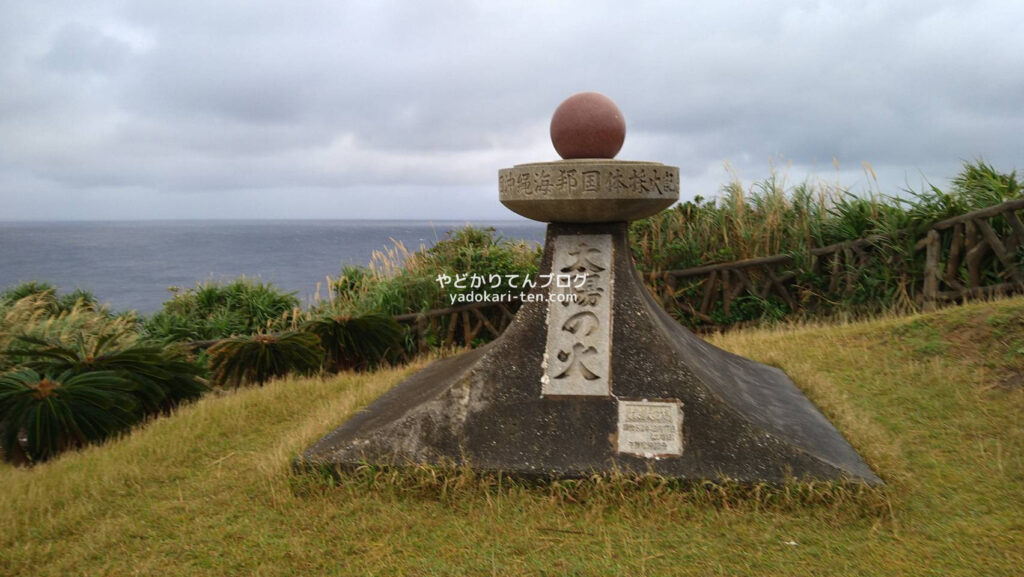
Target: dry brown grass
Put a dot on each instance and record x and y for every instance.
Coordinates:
(210, 491)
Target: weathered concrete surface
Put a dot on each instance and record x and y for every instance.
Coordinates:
(739, 419)
(588, 190)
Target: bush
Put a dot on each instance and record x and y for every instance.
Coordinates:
(357, 342)
(42, 415)
(163, 376)
(47, 298)
(214, 311)
(74, 373)
(977, 186)
(400, 282)
(258, 358)
(770, 218)
(33, 316)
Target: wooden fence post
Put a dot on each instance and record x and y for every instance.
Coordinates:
(931, 270)
(421, 334)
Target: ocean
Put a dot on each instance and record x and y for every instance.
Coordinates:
(131, 265)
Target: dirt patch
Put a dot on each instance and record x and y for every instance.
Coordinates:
(1012, 380)
(989, 335)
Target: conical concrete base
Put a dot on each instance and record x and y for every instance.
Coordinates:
(623, 387)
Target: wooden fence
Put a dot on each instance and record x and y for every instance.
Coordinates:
(971, 255)
(461, 325)
(975, 254)
(771, 277)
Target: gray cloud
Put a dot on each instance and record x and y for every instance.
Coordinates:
(407, 110)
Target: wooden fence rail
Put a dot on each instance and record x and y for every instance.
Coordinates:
(473, 319)
(974, 254)
(971, 255)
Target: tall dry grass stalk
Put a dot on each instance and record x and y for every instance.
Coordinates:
(32, 316)
(767, 217)
(391, 261)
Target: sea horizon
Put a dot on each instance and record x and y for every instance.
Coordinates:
(132, 264)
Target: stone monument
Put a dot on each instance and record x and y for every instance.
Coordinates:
(593, 375)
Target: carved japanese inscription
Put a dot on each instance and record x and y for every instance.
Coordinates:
(582, 179)
(577, 358)
(651, 428)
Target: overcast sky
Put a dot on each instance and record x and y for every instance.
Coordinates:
(406, 110)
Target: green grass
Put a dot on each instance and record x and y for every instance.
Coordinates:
(933, 402)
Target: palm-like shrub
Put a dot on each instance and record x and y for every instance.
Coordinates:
(478, 251)
(257, 358)
(399, 281)
(163, 377)
(213, 311)
(977, 186)
(357, 342)
(46, 297)
(34, 316)
(74, 373)
(982, 185)
(43, 295)
(41, 415)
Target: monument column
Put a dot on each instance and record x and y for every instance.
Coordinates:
(593, 376)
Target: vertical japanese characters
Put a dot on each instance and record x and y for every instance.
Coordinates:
(577, 358)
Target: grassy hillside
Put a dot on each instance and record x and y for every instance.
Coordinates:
(934, 403)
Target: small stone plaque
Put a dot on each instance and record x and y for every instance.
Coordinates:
(651, 428)
(577, 358)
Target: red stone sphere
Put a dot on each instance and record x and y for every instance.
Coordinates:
(588, 125)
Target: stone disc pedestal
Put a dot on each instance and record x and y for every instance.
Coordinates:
(593, 375)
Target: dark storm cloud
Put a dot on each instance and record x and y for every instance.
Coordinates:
(155, 108)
